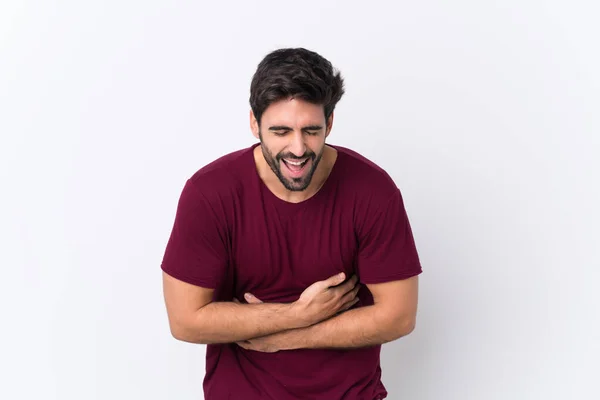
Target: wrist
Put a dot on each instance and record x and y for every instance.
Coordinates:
(299, 338)
(298, 315)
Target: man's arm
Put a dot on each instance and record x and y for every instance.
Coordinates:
(392, 316)
(193, 317)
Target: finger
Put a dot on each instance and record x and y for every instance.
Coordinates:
(251, 299)
(346, 307)
(334, 280)
(349, 304)
(349, 285)
(236, 301)
(349, 296)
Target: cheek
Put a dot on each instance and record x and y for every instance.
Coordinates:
(273, 148)
(279, 145)
(316, 144)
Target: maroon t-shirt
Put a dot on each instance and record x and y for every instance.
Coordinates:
(232, 234)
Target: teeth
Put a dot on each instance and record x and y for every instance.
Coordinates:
(295, 163)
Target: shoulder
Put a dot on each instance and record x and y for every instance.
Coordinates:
(219, 184)
(224, 174)
(369, 190)
(363, 177)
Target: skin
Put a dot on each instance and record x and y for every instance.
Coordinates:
(391, 317)
(195, 318)
(294, 129)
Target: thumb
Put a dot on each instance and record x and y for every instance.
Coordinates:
(336, 279)
(251, 299)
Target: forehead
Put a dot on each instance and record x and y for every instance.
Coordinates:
(293, 112)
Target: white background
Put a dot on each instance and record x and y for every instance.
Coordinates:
(486, 114)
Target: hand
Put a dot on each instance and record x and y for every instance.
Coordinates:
(324, 299)
(252, 299)
(282, 340)
(321, 300)
(266, 344)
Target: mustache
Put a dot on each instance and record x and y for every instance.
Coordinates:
(291, 156)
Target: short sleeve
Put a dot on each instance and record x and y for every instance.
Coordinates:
(387, 248)
(196, 251)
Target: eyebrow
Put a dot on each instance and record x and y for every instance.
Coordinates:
(287, 128)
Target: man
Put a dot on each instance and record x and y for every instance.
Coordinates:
(293, 260)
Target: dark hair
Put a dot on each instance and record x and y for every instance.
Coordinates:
(298, 73)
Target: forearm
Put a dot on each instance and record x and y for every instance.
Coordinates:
(227, 322)
(360, 327)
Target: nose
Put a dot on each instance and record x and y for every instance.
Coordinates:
(297, 146)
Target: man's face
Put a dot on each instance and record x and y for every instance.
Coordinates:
(292, 135)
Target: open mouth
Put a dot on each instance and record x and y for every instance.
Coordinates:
(295, 167)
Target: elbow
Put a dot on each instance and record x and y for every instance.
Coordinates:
(408, 326)
(178, 331)
(181, 332)
(403, 327)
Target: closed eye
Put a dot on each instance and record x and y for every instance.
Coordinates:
(312, 130)
(279, 130)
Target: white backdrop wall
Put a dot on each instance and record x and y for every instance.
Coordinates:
(484, 112)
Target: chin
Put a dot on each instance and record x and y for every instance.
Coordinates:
(295, 186)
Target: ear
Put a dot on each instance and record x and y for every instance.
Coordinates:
(329, 125)
(254, 125)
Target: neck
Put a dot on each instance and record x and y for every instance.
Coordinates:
(273, 183)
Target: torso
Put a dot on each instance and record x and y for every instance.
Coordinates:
(278, 249)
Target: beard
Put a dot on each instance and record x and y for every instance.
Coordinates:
(292, 184)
